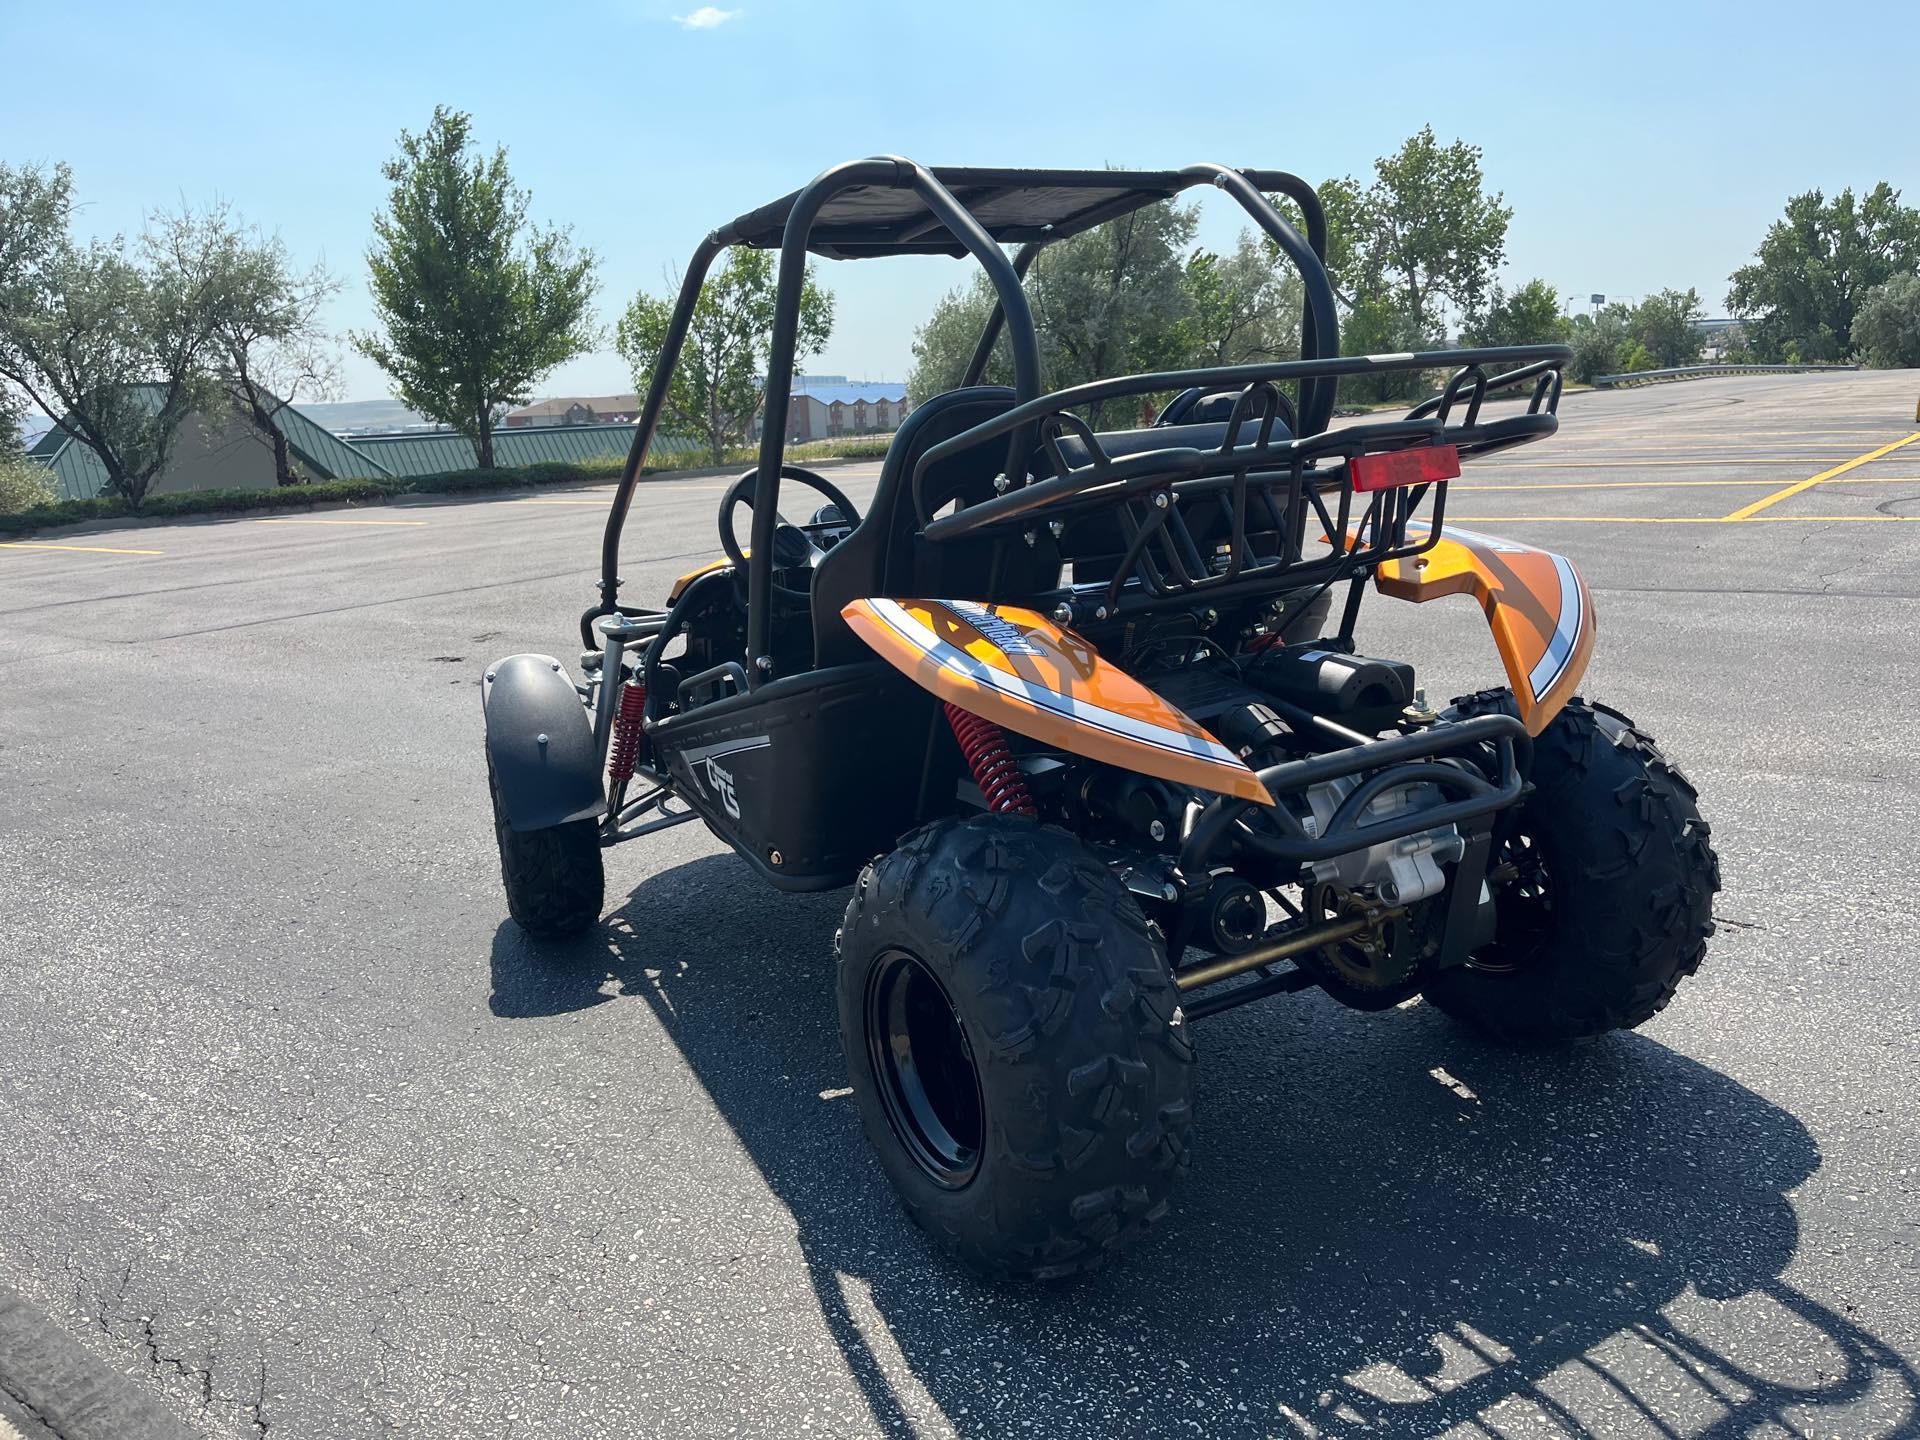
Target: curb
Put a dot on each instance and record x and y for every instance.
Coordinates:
(51, 1388)
(404, 498)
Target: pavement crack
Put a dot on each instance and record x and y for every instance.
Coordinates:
(33, 1412)
(199, 1378)
(257, 1407)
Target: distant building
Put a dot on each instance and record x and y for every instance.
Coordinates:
(211, 451)
(578, 410)
(1719, 338)
(825, 407)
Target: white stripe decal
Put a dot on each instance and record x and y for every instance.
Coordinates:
(956, 660)
(1566, 631)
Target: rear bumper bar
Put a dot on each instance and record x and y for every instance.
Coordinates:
(1387, 764)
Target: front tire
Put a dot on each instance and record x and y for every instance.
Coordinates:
(1015, 1045)
(1609, 902)
(555, 880)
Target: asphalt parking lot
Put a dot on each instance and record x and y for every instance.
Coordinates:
(298, 1135)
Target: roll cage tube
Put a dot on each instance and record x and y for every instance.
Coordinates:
(990, 332)
(1319, 332)
(900, 174)
(1246, 187)
(1320, 318)
(657, 388)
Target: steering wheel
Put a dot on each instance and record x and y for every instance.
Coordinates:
(793, 545)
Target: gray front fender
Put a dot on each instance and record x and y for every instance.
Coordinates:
(540, 742)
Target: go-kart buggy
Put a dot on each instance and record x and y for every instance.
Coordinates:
(1074, 713)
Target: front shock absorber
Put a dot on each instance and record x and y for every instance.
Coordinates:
(628, 736)
(994, 769)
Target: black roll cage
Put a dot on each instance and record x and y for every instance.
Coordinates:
(1033, 208)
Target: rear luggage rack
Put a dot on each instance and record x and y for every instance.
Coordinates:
(1264, 509)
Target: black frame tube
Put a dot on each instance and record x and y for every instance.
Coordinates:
(1319, 334)
(1246, 187)
(1214, 829)
(657, 388)
(899, 174)
(990, 334)
(1316, 400)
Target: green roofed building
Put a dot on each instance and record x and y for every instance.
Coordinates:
(212, 451)
(434, 452)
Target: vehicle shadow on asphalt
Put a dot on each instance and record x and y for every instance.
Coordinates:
(1389, 1228)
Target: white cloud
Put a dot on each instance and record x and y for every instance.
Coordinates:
(707, 17)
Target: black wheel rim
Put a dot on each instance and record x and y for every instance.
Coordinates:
(1523, 907)
(924, 1069)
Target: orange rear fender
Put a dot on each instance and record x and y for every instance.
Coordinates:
(1538, 607)
(1018, 669)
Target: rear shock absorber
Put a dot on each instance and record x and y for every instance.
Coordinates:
(628, 737)
(994, 769)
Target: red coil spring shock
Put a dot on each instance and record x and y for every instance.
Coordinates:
(994, 770)
(624, 753)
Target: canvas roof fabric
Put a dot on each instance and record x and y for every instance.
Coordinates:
(1012, 206)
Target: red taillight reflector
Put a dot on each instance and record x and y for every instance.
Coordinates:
(1405, 467)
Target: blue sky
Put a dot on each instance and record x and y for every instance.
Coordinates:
(1640, 146)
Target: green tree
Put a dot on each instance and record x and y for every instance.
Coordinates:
(1383, 325)
(1122, 298)
(1113, 300)
(718, 384)
(271, 343)
(1599, 342)
(1527, 316)
(1425, 234)
(1814, 268)
(476, 304)
(1242, 307)
(109, 347)
(1635, 356)
(943, 346)
(1665, 326)
(24, 482)
(1887, 327)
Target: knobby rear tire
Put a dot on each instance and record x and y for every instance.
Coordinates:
(1068, 1008)
(1630, 876)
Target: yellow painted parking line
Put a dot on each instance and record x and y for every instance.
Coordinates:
(88, 549)
(1643, 464)
(1671, 519)
(1749, 511)
(1455, 487)
(1654, 450)
(677, 487)
(289, 520)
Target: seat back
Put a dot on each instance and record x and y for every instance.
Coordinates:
(885, 555)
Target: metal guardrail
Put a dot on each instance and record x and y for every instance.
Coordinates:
(1698, 372)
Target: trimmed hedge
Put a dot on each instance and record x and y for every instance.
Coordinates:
(375, 492)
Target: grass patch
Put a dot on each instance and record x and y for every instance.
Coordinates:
(375, 492)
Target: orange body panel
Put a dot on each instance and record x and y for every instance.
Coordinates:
(1537, 605)
(680, 585)
(1018, 669)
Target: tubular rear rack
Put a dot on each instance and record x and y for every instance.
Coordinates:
(1264, 510)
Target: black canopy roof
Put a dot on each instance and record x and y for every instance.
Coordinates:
(1013, 206)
